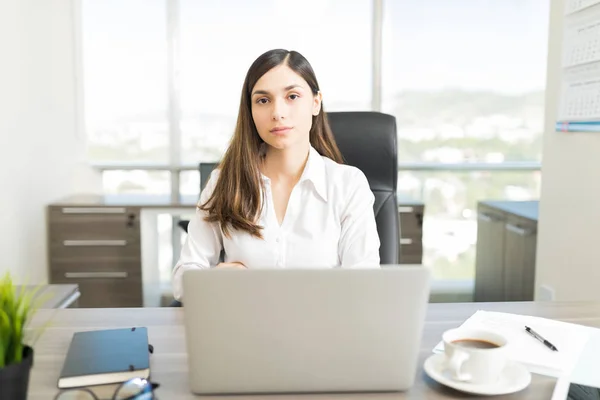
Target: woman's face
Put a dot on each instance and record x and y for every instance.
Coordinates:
(282, 108)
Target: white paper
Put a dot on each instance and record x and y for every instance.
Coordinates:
(580, 100)
(568, 338)
(572, 6)
(580, 93)
(585, 371)
(581, 40)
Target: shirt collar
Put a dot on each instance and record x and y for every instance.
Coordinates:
(314, 171)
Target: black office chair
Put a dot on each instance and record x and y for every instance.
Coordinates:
(368, 141)
(204, 169)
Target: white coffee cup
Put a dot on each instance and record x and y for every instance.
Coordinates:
(474, 355)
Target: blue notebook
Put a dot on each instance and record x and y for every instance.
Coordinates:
(106, 356)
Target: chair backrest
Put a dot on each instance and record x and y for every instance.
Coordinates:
(368, 141)
(205, 169)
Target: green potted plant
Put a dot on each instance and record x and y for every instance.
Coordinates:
(17, 306)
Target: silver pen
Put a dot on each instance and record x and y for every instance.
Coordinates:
(541, 339)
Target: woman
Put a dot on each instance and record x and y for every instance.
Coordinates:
(281, 196)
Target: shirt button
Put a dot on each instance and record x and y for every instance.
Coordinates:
(277, 240)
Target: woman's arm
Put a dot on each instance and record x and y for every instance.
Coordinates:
(359, 240)
(203, 244)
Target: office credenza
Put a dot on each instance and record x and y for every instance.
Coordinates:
(96, 242)
(506, 250)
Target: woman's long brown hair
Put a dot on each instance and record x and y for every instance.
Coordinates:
(237, 200)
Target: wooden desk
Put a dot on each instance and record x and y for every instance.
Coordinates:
(169, 361)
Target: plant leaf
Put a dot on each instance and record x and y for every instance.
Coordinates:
(17, 308)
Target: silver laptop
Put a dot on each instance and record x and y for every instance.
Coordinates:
(304, 330)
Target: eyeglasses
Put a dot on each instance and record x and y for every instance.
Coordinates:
(133, 389)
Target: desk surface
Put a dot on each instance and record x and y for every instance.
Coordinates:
(55, 296)
(169, 361)
(126, 200)
(525, 209)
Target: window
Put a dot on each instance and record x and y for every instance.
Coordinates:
(136, 182)
(189, 183)
(218, 46)
(465, 87)
(125, 80)
(464, 84)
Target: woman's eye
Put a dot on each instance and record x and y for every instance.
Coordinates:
(294, 96)
(262, 101)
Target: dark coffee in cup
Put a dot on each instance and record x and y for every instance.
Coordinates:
(475, 344)
(475, 355)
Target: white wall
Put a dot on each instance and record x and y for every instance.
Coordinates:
(568, 253)
(41, 150)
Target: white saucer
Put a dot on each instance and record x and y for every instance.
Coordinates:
(514, 378)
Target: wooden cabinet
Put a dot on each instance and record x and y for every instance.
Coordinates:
(506, 248)
(99, 249)
(411, 232)
(489, 258)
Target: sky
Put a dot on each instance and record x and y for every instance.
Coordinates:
(496, 45)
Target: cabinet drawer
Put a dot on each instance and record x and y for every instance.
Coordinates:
(411, 219)
(520, 226)
(101, 292)
(92, 250)
(411, 259)
(98, 213)
(489, 255)
(93, 230)
(65, 226)
(489, 215)
(413, 240)
(111, 267)
(519, 259)
(411, 249)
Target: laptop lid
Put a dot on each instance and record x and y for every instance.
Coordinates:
(304, 330)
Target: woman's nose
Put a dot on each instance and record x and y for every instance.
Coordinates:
(278, 111)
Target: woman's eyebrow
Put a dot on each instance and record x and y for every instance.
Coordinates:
(290, 87)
